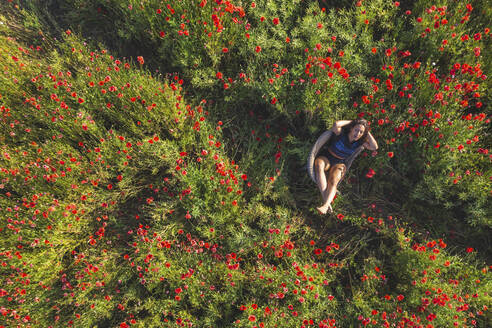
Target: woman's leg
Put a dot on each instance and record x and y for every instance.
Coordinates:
(334, 175)
(322, 164)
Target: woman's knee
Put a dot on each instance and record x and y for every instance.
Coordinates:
(320, 163)
(337, 173)
(341, 168)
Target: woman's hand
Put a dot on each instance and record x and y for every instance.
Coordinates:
(370, 143)
(337, 126)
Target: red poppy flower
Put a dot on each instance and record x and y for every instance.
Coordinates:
(389, 85)
(258, 49)
(391, 154)
(276, 21)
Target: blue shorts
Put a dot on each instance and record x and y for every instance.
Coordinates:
(333, 160)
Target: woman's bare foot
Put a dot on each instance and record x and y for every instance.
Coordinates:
(324, 209)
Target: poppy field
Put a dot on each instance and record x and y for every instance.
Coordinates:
(153, 152)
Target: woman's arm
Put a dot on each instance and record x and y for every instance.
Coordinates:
(370, 143)
(337, 126)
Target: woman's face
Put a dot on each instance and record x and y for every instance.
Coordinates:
(356, 132)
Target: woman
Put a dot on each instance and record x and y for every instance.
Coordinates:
(348, 136)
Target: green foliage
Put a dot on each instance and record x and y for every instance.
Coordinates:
(160, 183)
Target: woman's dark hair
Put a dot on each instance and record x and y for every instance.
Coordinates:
(358, 121)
